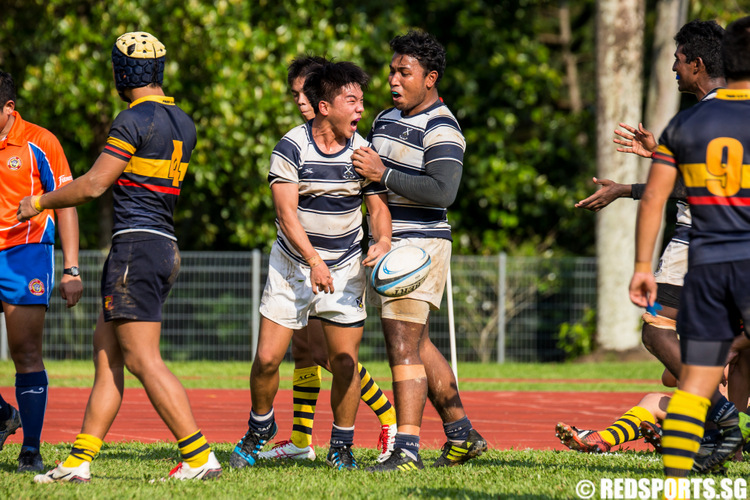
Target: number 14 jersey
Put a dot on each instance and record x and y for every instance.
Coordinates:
(156, 138)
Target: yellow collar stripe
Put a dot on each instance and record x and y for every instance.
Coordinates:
(733, 94)
(168, 101)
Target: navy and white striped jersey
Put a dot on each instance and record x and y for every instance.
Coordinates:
(330, 194)
(407, 144)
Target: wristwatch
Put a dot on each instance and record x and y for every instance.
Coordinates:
(72, 271)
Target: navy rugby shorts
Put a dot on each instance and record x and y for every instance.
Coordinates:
(138, 275)
(715, 299)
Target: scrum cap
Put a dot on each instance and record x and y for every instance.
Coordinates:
(138, 60)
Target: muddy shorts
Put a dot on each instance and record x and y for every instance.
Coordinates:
(138, 275)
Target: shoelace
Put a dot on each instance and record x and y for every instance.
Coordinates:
(256, 447)
(340, 459)
(383, 439)
(281, 443)
(176, 469)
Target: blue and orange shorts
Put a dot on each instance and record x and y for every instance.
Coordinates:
(27, 274)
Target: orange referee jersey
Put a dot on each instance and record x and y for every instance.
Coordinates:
(32, 162)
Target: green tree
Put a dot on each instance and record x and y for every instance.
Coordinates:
(530, 152)
(226, 66)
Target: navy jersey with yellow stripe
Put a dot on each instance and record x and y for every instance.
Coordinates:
(710, 144)
(156, 138)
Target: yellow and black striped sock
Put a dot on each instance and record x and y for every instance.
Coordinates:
(305, 389)
(84, 449)
(683, 430)
(375, 399)
(627, 427)
(194, 449)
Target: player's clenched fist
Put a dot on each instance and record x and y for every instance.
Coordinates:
(28, 208)
(368, 164)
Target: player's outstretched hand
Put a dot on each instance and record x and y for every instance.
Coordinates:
(643, 289)
(71, 289)
(609, 192)
(320, 279)
(26, 209)
(368, 164)
(637, 141)
(375, 252)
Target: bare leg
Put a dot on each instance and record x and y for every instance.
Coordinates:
(739, 380)
(139, 342)
(343, 349)
(273, 341)
(25, 326)
(663, 343)
(317, 344)
(106, 395)
(403, 341)
(442, 387)
(300, 349)
(655, 403)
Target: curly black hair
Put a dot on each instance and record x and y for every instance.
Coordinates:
(703, 39)
(424, 48)
(735, 50)
(7, 88)
(301, 66)
(324, 82)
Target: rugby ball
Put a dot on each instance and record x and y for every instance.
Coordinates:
(400, 271)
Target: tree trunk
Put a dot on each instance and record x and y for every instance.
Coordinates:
(619, 58)
(571, 63)
(663, 99)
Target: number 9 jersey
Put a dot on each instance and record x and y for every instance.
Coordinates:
(710, 144)
(156, 138)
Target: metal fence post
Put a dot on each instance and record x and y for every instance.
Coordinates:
(255, 291)
(3, 338)
(501, 283)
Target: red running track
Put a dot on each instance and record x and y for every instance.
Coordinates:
(517, 420)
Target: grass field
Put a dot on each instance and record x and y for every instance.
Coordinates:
(124, 470)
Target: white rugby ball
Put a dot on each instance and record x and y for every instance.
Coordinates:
(401, 271)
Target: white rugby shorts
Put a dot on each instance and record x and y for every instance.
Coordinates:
(431, 291)
(673, 264)
(288, 298)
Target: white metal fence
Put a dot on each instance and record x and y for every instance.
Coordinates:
(505, 308)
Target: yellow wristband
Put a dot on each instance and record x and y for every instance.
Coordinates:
(314, 261)
(37, 205)
(643, 267)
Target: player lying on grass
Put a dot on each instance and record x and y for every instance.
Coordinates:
(309, 346)
(316, 267)
(641, 420)
(144, 161)
(644, 420)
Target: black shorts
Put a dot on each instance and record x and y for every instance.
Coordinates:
(715, 299)
(668, 295)
(138, 274)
